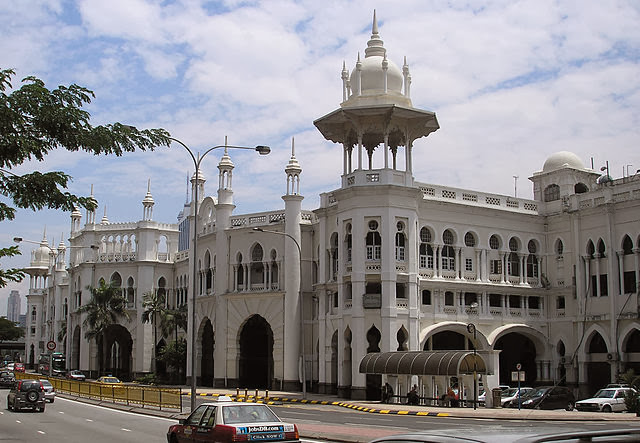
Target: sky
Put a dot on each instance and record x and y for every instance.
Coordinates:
(511, 82)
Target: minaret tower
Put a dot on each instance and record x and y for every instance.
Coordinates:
(147, 204)
(223, 211)
(293, 297)
(91, 213)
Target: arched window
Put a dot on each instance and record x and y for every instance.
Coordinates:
(33, 314)
(494, 242)
(627, 245)
(469, 240)
(580, 188)
(400, 240)
(532, 259)
(559, 247)
(348, 240)
(240, 273)
(591, 249)
(130, 292)
(373, 242)
(552, 193)
(601, 248)
(426, 251)
(207, 272)
(257, 268)
(514, 260)
(448, 253)
(162, 290)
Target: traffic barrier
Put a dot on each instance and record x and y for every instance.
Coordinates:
(129, 394)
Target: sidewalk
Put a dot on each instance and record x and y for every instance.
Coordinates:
(347, 434)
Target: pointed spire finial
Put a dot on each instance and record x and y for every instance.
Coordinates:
(148, 185)
(374, 28)
(293, 146)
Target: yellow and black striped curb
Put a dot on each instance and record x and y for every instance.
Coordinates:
(275, 400)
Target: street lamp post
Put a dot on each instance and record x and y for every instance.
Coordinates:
(471, 328)
(197, 159)
(302, 334)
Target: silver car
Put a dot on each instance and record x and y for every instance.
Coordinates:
(49, 390)
(605, 400)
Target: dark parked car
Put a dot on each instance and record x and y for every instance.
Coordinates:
(26, 394)
(7, 378)
(548, 397)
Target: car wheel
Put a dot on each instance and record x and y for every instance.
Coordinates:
(32, 396)
(570, 406)
(51, 401)
(606, 408)
(9, 405)
(16, 408)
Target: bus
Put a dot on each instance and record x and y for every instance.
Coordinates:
(59, 365)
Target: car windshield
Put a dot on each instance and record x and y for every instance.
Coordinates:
(247, 414)
(510, 392)
(605, 393)
(46, 383)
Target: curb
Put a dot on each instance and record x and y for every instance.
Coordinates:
(280, 400)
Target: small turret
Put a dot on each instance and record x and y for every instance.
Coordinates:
(147, 204)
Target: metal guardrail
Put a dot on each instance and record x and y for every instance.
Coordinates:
(136, 395)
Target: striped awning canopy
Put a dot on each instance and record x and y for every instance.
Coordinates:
(450, 363)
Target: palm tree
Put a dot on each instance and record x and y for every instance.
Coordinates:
(105, 308)
(154, 305)
(173, 319)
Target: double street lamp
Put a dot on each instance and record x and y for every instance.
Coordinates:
(302, 335)
(197, 159)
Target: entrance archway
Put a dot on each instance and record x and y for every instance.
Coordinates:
(206, 361)
(256, 354)
(517, 348)
(598, 367)
(75, 348)
(117, 352)
(374, 381)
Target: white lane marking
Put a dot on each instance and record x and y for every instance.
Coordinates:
(41, 432)
(18, 421)
(88, 419)
(173, 420)
(125, 429)
(60, 412)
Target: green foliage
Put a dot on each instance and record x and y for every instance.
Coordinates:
(9, 330)
(174, 355)
(7, 275)
(632, 399)
(173, 319)
(34, 121)
(147, 379)
(106, 306)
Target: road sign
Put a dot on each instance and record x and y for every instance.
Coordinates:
(51, 345)
(518, 366)
(517, 376)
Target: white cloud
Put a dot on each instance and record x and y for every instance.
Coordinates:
(511, 83)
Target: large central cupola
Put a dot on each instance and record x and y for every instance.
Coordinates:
(376, 111)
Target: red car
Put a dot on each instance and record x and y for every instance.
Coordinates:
(18, 367)
(226, 421)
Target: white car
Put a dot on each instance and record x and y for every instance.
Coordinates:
(49, 390)
(225, 420)
(511, 395)
(605, 400)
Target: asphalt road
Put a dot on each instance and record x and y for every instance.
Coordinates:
(69, 421)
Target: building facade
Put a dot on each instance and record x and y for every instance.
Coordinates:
(385, 264)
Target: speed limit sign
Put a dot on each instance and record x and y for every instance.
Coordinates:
(51, 345)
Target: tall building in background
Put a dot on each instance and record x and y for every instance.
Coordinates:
(13, 306)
